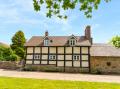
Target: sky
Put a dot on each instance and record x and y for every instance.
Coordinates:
(20, 15)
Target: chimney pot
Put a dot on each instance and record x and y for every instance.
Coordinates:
(46, 33)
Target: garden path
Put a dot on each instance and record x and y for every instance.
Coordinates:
(61, 76)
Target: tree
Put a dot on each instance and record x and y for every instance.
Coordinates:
(18, 41)
(20, 51)
(54, 7)
(115, 41)
(1, 52)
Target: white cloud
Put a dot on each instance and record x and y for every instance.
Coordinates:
(22, 12)
(13, 12)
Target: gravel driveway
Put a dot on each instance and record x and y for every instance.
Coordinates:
(61, 76)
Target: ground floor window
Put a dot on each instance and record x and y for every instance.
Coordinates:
(52, 57)
(36, 56)
(76, 57)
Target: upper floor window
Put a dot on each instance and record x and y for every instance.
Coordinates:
(46, 42)
(72, 42)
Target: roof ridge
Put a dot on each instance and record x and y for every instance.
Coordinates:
(102, 44)
(55, 36)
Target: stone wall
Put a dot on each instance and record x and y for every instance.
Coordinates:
(53, 68)
(107, 65)
(8, 65)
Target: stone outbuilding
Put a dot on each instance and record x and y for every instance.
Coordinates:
(104, 58)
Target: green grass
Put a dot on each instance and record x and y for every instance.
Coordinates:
(23, 83)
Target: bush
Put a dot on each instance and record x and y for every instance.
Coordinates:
(42, 68)
(1, 58)
(97, 71)
(12, 57)
(6, 54)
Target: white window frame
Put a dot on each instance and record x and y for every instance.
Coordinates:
(36, 56)
(46, 42)
(76, 57)
(52, 57)
(72, 42)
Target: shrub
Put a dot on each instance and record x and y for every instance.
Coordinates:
(1, 58)
(6, 54)
(42, 68)
(12, 57)
(96, 71)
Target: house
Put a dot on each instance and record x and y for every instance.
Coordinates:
(70, 53)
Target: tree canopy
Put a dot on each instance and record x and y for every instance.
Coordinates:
(18, 41)
(115, 41)
(54, 7)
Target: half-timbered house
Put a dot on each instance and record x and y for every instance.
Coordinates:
(61, 51)
(72, 52)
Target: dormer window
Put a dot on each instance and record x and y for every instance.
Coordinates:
(46, 42)
(72, 41)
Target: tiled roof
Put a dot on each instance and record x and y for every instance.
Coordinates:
(104, 50)
(57, 41)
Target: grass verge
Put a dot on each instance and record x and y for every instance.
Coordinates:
(24, 83)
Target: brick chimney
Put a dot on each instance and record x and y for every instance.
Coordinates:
(88, 33)
(46, 33)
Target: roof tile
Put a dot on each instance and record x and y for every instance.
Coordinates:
(104, 50)
(57, 41)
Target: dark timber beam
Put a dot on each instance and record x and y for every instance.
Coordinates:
(64, 58)
(48, 55)
(80, 57)
(72, 56)
(89, 59)
(25, 54)
(56, 55)
(40, 54)
(33, 55)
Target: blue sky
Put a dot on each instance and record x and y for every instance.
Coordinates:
(19, 15)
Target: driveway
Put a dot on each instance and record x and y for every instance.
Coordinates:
(61, 76)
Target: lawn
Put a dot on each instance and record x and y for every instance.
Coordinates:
(22, 83)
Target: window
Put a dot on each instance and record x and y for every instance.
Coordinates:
(46, 42)
(36, 56)
(76, 57)
(52, 57)
(72, 42)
